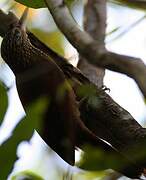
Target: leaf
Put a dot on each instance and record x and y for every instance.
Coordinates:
(69, 2)
(3, 102)
(39, 3)
(23, 131)
(113, 31)
(94, 159)
(88, 175)
(52, 39)
(27, 175)
(32, 3)
(127, 29)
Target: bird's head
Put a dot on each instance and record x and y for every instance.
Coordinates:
(17, 31)
(14, 42)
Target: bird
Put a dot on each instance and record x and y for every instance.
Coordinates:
(38, 75)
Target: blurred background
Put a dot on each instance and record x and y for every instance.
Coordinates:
(126, 34)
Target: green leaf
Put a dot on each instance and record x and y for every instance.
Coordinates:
(23, 131)
(128, 28)
(3, 102)
(32, 3)
(94, 159)
(88, 175)
(52, 39)
(27, 175)
(69, 2)
(113, 31)
(39, 3)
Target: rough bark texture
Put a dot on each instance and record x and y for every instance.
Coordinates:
(95, 25)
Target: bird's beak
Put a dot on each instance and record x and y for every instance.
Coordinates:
(22, 21)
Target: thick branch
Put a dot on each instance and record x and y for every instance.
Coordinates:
(95, 25)
(95, 17)
(89, 48)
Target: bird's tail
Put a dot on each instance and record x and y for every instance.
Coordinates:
(122, 164)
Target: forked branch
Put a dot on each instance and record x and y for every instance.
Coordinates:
(89, 48)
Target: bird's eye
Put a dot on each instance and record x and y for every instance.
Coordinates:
(17, 34)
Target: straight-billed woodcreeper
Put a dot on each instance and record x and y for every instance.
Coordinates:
(36, 75)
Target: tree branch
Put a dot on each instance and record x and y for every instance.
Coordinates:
(95, 25)
(95, 17)
(89, 48)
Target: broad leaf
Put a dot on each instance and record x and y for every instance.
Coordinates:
(39, 3)
(27, 175)
(23, 131)
(3, 102)
(95, 159)
(32, 3)
(52, 39)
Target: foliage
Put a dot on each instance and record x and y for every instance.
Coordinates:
(3, 101)
(52, 39)
(94, 159)
(23, 131)
(32, 3)
(27, 175)
(38, 3)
